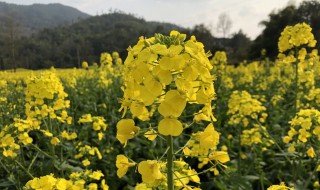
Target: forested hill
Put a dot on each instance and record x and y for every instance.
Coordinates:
(67, 46)
(26, 19)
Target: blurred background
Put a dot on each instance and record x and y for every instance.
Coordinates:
(37, 34)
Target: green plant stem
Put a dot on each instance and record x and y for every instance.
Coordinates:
(165, 152)
(170, 163)
(275, 142)
(33, 161)
(4, 167)
(239, 149)
(261, 180)
(23, 168)
(312, 174)
(218, 93)
(41, 151)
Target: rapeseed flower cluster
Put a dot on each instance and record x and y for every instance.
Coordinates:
(153, 175)
(98, 124)
(256, 135)
(249, 112)
(282, 186)
(304, 131)
(78, 181)
(296, 36)
(166, 75)
(163, 75)
(3, 91)
(45, 97)
(243, 108)
(203, 145)
(219, 60)
(87, 153)
(15, 135)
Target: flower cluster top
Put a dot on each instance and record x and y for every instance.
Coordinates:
(295, 36)
(164, 73)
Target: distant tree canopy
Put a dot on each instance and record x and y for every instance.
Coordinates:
(66, 46)
(307, 11)
(63, 46)
(86, 39)
(203, 35)
(239, 46)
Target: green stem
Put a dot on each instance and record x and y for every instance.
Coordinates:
(275, 142)
(170, 163)
(261, 180)
(4, 167)
(218, 93)
(312, 174)
(33, 161)
(239, 149)
(41, 151)
(23, 168)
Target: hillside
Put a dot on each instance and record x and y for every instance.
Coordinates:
(29, 44)
(27, 19)
(66, 46)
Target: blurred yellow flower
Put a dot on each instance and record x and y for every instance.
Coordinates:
(122, 163)
(126, 130)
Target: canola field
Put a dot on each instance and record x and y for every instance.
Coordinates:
(169, 116)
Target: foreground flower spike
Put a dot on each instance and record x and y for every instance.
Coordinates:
(163, 76)
(167, 73)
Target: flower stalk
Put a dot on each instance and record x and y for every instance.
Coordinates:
(170, 163)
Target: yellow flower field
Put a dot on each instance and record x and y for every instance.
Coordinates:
(169, 116)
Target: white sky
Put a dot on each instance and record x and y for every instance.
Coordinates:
(244, 14)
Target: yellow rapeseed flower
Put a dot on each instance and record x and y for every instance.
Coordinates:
(169, 126)
(295, 36)
(150, 171)
(311, 152)
(282, 186)
(209, 138)
(122, 163)
(126, 130)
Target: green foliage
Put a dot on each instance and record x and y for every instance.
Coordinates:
(308, 11)
(85, 40)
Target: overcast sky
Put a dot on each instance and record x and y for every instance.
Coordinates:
(244, 14)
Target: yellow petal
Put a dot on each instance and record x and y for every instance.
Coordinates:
(151, 135)
(164, 76)
(126, 130)
(168, 126)
(139, 110)
(159, 49)
(220, 156)
(173, 104)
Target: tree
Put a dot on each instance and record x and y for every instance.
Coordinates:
(12, 34)
(204, 35)
(224, 24)
(309, 12)
(273, 27)
(240, 44)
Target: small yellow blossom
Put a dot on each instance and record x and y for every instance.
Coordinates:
(122, 163)
(150, 171)
(126, 130)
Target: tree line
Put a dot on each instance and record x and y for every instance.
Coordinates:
(69, 45)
